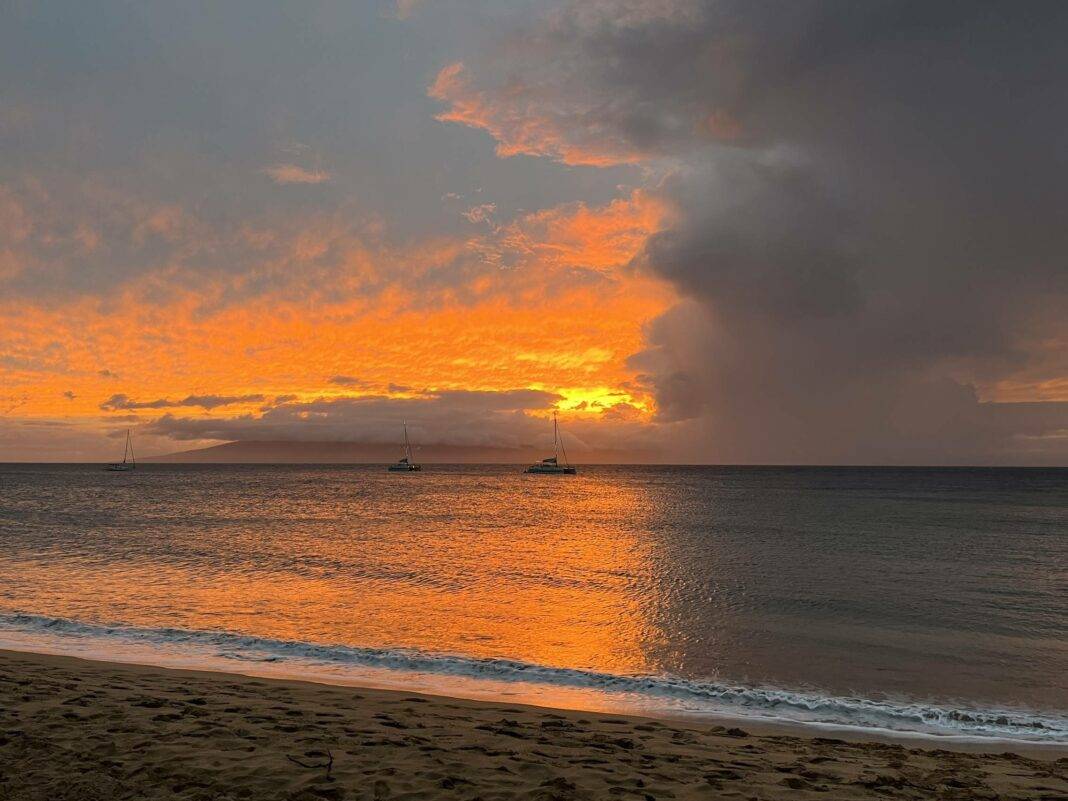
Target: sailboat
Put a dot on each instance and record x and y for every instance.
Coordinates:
(553, 464)
(128, 462)
(405, 465)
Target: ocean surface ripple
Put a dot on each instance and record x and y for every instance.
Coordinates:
(913, 600)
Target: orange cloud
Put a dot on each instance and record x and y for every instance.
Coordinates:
(524, 121)
(292, 174)
(330, 303)
(576, 236)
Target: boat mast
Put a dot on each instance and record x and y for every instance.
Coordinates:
(407, 447)
(126, 450)
(129, 444)
(559, 442)
(556, 440)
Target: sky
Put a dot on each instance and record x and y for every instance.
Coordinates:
(716, 232)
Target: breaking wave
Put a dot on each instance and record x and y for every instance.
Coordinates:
(668, 692)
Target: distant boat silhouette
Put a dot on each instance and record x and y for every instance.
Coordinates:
(128, 462)
(405, 465)
(553, 464)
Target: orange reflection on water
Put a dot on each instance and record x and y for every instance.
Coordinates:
(489, 563)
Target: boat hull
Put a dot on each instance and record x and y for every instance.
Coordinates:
(120, 468)
(554, 470)
(404, 468)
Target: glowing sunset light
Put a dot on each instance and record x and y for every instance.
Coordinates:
(622, 211)
(569, 399)
(563, 317)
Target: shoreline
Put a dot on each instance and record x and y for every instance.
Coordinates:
(468, 691)
(534, 695)
(88, 729)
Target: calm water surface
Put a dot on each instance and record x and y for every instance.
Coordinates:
(933, 600)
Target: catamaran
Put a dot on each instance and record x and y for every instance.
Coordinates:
(405, 465)
(128, 462)
(553, 464)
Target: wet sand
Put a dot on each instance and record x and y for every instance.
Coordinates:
(75, 730)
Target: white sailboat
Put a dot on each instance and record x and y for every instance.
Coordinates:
(128, 462)
(405, 465)
(553, 465)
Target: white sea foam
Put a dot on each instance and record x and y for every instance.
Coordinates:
(679, 694)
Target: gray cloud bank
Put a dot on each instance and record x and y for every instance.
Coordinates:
(456, 418)
(870, 235)
(119, 401)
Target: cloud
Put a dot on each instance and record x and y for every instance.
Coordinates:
(347, 381)
(133, 236)
(20, 355)
(164, 254)
(158, 256)
(451, 417)
(834, 231)
(864, 211)
(10, 403)
(69, 395)
(294, 148)
(293, 174)
(405, 9)
(555, 130)
(543, 94)
(120, 401)
(481, 214)
(497, 419)
(322, 293)
(576, 236)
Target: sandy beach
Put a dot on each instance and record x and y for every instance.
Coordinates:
(77, 730)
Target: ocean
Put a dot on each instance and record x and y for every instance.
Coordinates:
(927, 601)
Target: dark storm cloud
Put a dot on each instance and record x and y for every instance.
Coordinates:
(870, 201)
(120, 401)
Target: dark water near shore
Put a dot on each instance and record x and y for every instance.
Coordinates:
(921, 599)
